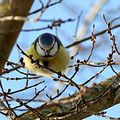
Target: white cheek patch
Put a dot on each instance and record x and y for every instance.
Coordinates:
(54, 50)
(39, 50)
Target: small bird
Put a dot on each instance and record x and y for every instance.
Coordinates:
(48, 50)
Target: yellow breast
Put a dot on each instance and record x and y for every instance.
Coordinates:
(57, 63)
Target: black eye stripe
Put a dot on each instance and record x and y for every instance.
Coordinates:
(53, 45)
(40, 46)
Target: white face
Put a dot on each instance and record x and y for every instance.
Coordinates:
(47, 45)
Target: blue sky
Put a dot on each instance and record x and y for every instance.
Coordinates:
(64, 11)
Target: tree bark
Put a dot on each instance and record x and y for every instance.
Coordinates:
(7, 37)
(96, 99)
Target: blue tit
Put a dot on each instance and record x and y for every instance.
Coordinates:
(49, 51)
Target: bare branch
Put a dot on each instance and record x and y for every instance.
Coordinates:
(67, 106)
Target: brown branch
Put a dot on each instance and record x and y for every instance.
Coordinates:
(89, 37)
(49, 5)
(66, 108)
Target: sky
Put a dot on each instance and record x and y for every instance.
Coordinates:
(66, 10)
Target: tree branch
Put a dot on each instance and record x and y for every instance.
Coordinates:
(79, 106)
(89, 37)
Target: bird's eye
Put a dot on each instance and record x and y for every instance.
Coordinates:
(47, 45)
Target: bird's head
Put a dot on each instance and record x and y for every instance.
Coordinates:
(47, 45)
